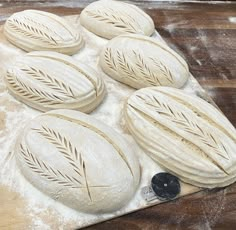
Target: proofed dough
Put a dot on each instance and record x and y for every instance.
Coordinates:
(185, 134)
(33, 30)
(109, 19)
(48, 80)
(79, 161)
(140, 61)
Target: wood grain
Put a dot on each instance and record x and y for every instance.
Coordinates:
(12, 210)
(205, 35)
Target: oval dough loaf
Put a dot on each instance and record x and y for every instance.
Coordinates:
(49, 80)
(34, 30)
(185, 134)
(79, 161)
(140, 61)
(109, 19)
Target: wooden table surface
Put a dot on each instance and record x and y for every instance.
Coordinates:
(205, 34)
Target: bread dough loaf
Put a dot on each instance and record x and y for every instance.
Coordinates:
(48, 80)
(34, 30)
(185, 134)
(79, 161)
(140, 61)
(109, 19)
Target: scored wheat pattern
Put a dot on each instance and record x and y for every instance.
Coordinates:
(31, 93)
(44, 170)
(64, 146)
(118, 20)
(186, 123)
(71, 154)
(49, 81)
(143, 68)
(124, 65)
(33, 31)
(163, 69)
(97, 131)
(108, 57)
(139, 71)
(38, 25)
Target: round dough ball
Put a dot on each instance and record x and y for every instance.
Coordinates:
(109, 19)
(48, 80)
(140, 61)
(34, 30)
(79, 161)
(185, 134)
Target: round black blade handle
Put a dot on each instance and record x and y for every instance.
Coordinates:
(165, 186)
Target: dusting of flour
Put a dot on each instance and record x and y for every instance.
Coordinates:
(44, 212)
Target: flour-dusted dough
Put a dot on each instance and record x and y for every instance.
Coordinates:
(140, 61)
(185, 134)
(48, 80)
(33, 30)
(109, 19)
(79, 161)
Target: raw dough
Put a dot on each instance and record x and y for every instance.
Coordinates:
(33, 30)
(48, 80)
(78, 161)
(140, 61)
(109, 19)
(185, 134)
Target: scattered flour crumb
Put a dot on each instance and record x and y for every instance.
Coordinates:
(232, 19)
(199, 62)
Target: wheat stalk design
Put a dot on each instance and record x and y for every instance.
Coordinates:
(148, 75)
(31, 93)
(51, 82)
(38, 25)
(163, 69)
(64, 146)
(110, 17)
(30, 31)
(144, 73)
(124, 66)
(109, 59)
(184, 122)
(121, 63)
(44, 170)
(70, 152)
(189, 143)
(97, 131)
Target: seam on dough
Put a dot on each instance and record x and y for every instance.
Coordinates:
(200, 114)
(187, 142)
